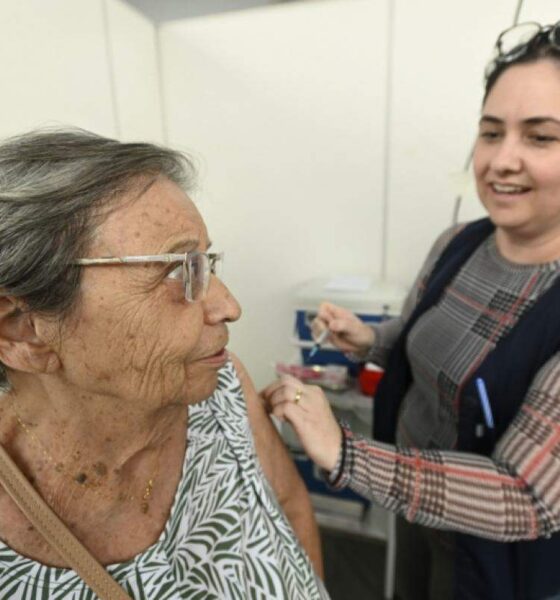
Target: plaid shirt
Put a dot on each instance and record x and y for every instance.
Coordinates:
(515, 493)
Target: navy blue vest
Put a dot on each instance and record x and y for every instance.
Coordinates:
(485, 569)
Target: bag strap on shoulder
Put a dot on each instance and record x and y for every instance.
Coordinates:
(49, 525)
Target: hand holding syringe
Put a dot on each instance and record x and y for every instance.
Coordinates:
(342, 328)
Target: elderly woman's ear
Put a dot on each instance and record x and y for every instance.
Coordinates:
(22, 347)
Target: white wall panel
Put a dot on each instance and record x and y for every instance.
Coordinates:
(284, 106)
(441, 49)
(134, 68)
(542, 11)
(54, 66)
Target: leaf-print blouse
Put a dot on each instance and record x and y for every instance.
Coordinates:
(226, 536)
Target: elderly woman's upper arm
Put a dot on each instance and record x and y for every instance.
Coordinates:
(276, 463)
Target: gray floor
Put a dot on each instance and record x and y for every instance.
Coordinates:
(354, 566)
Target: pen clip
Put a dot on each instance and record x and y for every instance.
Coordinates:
(485, 402)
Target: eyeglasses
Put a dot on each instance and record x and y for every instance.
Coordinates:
(194, 269)
(519, 39)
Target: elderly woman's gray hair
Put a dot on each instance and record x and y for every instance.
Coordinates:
(55, 186)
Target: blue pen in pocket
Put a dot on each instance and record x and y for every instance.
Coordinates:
(485, 403)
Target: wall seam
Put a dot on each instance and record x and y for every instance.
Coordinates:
(111, 69)
(387, 137)
(161, 86)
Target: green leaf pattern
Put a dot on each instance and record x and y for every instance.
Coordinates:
(226, 537)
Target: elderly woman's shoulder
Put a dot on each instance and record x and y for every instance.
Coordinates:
(255, 407)
(233, 376)
(237, 369)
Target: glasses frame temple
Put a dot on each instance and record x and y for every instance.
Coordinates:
(148, 258)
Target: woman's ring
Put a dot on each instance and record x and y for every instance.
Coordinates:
(298, 396)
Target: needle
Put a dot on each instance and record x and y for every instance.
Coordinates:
(320, 340)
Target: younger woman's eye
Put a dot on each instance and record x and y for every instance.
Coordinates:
(489, 135)
(542, 139)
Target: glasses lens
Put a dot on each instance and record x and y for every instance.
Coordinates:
(198, 270)
(187, 278)
(217, 264)
(513, 42)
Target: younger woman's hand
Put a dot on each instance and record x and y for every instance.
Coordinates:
(346, 331)
(307, 409)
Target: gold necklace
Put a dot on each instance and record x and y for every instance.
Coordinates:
(82, 478)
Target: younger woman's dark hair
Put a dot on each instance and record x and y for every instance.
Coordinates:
(538, 49)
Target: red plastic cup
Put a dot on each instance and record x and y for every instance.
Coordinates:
(369, 378)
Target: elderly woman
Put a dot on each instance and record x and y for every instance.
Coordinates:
(471, 394)
(121, 404)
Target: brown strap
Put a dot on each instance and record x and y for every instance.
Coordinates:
(55, 531)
